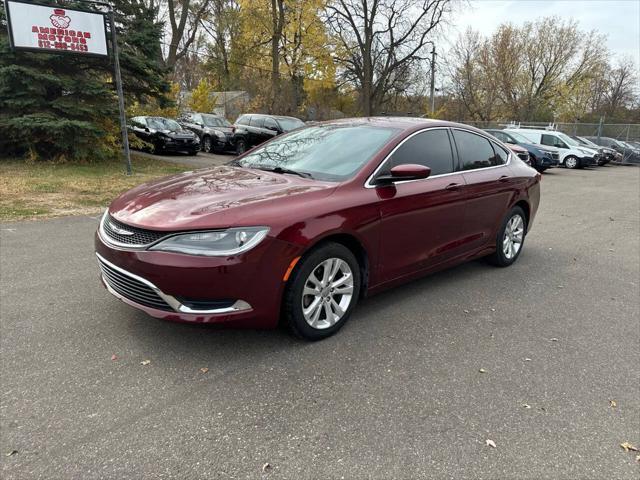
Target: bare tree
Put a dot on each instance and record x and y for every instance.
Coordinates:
(221, 25)
(184, 19)
(622, 85)
(378, 38)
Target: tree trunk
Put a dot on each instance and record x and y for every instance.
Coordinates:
(277, 17)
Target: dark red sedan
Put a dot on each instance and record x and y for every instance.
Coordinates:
(300, 228)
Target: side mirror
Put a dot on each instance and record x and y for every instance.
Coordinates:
(146, 129)
(273, 129)
(406, 171)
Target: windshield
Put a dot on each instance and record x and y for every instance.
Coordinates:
(589, 143)
(289, 124)
(568, 140)
(160, 123)
(213, 121)
(519, 138)
(324, 152)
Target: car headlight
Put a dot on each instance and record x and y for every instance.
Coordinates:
(219, 243)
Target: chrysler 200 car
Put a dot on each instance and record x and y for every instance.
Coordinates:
(301, 228)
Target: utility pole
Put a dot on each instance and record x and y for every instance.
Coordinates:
(600, 128)
(433, 78)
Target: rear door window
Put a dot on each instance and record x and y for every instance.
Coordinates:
(501, 155)
(474, 151)
(244, 120)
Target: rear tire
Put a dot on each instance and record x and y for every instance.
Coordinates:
(322, 292)
(510, 238)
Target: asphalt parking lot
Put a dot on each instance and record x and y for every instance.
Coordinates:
(398, 393)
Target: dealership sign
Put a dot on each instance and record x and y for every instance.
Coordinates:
(49, 28)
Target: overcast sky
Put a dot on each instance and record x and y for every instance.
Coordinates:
(618, 19)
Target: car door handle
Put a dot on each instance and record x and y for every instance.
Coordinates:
(504, 178)
(453, 186)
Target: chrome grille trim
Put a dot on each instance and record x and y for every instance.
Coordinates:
(132, 287)
(122, 283)
(112, 232)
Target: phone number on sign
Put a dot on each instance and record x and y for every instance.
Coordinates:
(75, 47)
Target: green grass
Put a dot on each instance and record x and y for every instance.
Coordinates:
(41, 189)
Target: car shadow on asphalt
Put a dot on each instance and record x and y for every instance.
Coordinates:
(224, 342)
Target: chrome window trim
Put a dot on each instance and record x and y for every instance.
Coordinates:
(239, 305)
(368, 183)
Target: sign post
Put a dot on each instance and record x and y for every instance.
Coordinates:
(118, 80)
(57, 29)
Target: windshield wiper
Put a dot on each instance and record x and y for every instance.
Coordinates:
(285, 170)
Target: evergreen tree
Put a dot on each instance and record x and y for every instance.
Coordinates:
(64, 106)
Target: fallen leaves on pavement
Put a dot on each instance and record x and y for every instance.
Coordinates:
(11, 453)
(114, 357)
(145, 362)
(628, 447)
(491, 443)
(482, 370)
(613, 403)
(204, 370)
(266, 467)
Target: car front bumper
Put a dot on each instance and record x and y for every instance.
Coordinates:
(245, 289)
(180, 145)
(589, 161)
(549, 162)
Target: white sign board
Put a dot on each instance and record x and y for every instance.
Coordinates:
(51, 28)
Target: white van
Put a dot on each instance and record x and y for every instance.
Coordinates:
(572, 154)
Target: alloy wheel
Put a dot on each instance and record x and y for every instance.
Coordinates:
(513, 237)
(327, 293)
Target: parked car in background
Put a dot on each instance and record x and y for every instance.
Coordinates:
(301, 228)
(520, 152)
(540, 158)
(606, 154)
(164, 134)
(632, 150)
(215, 132)
(629, 154)
(254, 128)
(572, 154)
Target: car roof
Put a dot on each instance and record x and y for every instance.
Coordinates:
(532, 130)
(404, 123)
(267, 115)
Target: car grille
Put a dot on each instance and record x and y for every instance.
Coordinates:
(132, 288)
(136, 237)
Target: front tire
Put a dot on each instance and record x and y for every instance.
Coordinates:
(322, 292)
(241, 147)
(571, 162)
(510, 239)
(207, 145)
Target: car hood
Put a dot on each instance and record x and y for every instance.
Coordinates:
(516, 148)
(178, 133)
(218, 197)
